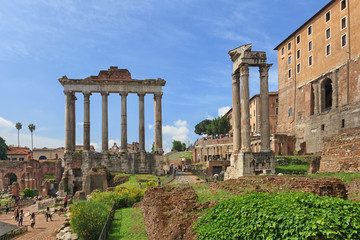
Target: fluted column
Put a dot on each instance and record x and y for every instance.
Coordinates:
(73, 122)
(86, 121)
(245, 110)
(236, 111)
(68, 96)
(141, 123)
(264, 108)
(123, 147)
(104, 122)
(158, 123)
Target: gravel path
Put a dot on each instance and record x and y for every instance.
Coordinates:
(185, 177)
(42, 231)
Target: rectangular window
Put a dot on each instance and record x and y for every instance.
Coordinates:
(343, 40)
(310, 61)
(282, 51)
(343, 23)
(276, 111)
(298, 39)
(276, 100)
(328, 50)
(327, 16)
(310, 45)
(290, 112)
(328, 33)
(289, 46)
(289, 73)
(298, 54)
(289, 60)
(310, 30)
(343, 4)
(298, 68)
(21, 159)
(14, 159)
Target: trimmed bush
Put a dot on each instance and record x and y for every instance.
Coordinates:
(88, 218)
(30, 192)
(281, 216)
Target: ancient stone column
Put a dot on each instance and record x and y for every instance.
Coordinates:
(158, 123)
(316, 97)
(236, 111)
(207, 153)
(123, 147)
(73, 122)
(245, 110)
(227, 150)
(201, 155)
(141, 123)
(87, 121)
(104, 122)
(68, 96)
(264, 108)
(334, 85)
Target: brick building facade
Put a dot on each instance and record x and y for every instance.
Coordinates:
(319, 76)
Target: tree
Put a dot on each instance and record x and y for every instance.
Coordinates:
(201, 127)
(3, 149)
(219, 125)
(153, 147)
(18, 126)
(32, 129)
(178, 146)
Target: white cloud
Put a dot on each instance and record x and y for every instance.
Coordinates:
(80, 123)
(150, 126)
(179, 132)
(6, 124)
(96, 146)
(209, 117)
(223, 110)
(112, 141)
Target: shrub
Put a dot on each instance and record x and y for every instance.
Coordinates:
(281, 216)
(30, 192)
(88, 218)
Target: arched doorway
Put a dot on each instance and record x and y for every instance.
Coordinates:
(42, 157)
(9, 179)
(327, 93)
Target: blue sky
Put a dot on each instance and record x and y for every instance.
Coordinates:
(184, 42)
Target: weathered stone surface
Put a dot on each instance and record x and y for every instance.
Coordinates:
(46, 203)
(80, 195)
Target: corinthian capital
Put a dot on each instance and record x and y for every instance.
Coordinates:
(236, 76)
(264, 69)
(244, 70)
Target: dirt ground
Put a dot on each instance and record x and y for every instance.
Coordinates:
(42, 231)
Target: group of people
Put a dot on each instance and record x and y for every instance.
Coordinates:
(19, 217)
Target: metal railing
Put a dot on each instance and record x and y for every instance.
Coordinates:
(14, 233)
(104, 232)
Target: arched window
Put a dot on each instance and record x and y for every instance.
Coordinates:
(290, 112)
(42, 157)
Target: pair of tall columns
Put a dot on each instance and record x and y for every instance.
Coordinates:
(70, 121)
(241, 142)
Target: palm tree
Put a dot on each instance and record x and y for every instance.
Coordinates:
(18, 126)
(32, 128)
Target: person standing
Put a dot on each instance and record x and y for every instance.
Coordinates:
(48, 214)
(159, 182)
(32, 220)
(16, 214)
(65, 201)
(21, 216)
(7, 208)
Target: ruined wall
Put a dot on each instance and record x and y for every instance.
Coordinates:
(341, 153)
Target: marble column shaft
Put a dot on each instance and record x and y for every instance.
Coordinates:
(68, 96)
(264, 108)
(245, 110)
(158, 123)
(87, 121)
(236, 111)
(141, 122)
(123, 147)
(73, 122)
(104, 122)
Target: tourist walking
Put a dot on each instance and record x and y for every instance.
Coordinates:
(48, 214)
(65, 201)
(7, 208)
(159, 182)
(21, 216)
(16, 214)
(32, 220)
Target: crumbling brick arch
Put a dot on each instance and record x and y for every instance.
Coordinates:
(326, 89)
(9, 178)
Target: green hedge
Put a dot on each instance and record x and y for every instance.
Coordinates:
(281, 216)
(30, 192)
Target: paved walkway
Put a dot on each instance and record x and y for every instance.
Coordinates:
(42, 231)
(185, 177)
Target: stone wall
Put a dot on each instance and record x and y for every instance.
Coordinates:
(341, 153)
(46, 203)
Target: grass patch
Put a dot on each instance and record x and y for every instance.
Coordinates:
(128, 223)
(291, 168)
(205, 193)
(148, 177)
(345, 177)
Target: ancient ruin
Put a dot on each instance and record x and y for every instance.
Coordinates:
(118, 81)
(243, 161)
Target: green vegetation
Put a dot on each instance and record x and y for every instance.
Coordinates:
(180, 155)
(178, 146)
(30, 193)
(292, 164)
(219, 125)
(128, 224)
(49, 177)
(281, 216)
(3, 149)
(145, 179)
(206, 193)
